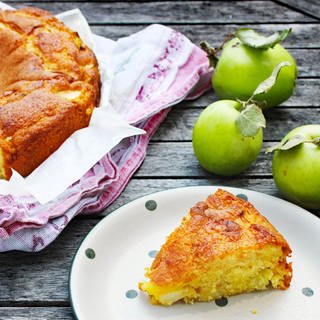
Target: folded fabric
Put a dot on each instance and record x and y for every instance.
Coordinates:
(149, 72)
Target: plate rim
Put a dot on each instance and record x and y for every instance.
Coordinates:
(114, 212)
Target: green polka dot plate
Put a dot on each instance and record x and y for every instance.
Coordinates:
(103, 281)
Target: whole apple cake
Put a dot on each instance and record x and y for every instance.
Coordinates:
(49, 86)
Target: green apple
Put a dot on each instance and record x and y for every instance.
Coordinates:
(296, 166)
(218, 143)
(246, 62)
(241, 68)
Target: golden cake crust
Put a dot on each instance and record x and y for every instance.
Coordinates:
(49, 85)
(221, 225)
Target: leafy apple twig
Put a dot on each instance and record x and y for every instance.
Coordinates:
(251, 118)
(248, 37)
(293, 142)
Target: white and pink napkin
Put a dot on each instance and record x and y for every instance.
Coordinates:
(143, 75)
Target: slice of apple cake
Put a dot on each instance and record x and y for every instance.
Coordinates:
(223, 247)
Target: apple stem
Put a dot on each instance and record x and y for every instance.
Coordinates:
(212, 52)
(316, 141)
(226, 39)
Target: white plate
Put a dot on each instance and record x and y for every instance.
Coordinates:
(111, 260)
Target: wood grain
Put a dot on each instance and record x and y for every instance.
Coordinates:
(191, 12)
(36, 313)
(309, 7)
(302, 36)
(42, 276)
(308, 62)
(304, 96)
(179, 124)
(160, 157)
(138, 187)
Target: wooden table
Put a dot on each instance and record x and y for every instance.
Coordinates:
(35, 286)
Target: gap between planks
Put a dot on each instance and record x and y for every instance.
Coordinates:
(301, 10)
(30, 303)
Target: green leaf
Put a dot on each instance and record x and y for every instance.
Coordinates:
(288, 144)
(250, 120)
(254, 40)
(268, 83)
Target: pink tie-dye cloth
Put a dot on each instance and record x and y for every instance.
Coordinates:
(27, 225)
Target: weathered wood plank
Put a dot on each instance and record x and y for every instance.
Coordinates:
(305, 95)
(137, 188)
(42, 276)
(302, 36)
(309, 7)
(177, 159)
(36, 313)
(177, 11)
(308, 62)
(179, 124)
